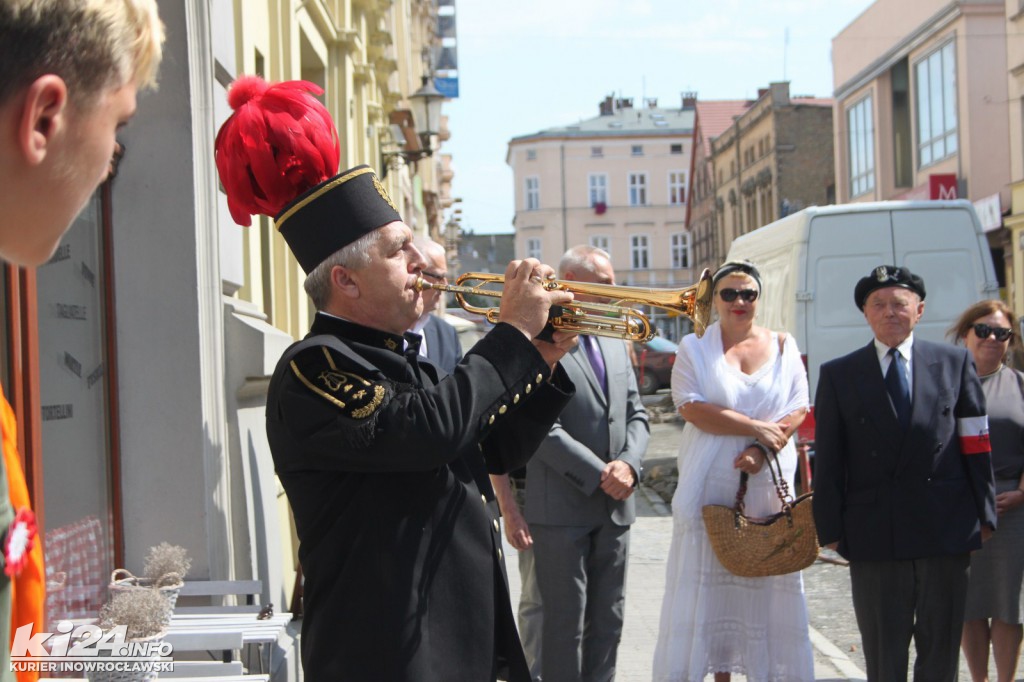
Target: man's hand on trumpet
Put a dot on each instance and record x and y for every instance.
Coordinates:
(525, 301)
(561, 343)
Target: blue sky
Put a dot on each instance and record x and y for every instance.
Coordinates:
(533, 64)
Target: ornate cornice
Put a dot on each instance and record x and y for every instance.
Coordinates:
(362, 72)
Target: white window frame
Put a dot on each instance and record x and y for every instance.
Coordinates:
(597, 188)
(601, 241)
(636, 150)
(860, 139)
(532, 192)
(639, 252)
(533, 248)
(935, 96)
(531, 154)
(637, 189)
(679, 247)
(676, 187)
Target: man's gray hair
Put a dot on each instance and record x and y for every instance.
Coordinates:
(354, 256)
(580, 257)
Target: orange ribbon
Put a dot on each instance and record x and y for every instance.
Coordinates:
(28, 589)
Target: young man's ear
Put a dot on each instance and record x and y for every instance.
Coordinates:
(42, 118)
(341, 279)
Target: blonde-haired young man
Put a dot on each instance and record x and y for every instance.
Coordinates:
(69, 74)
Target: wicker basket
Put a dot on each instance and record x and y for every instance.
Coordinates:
(169, 585)
(754, 547)
(131, 675)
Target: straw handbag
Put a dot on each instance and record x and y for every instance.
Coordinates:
(755, 547)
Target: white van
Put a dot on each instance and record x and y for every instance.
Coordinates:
(810, 262)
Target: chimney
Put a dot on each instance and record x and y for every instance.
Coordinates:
(607, 106)
(652, 102)
(761, 92)
(780, 93)
(624, 103)
(689, 100)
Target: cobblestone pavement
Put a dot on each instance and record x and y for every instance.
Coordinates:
(833, 633)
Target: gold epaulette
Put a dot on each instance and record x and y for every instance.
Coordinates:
(355, 396)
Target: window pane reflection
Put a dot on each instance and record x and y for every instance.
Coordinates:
(75, 443)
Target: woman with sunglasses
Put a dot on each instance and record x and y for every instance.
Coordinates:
(742, 390)
(994, 610)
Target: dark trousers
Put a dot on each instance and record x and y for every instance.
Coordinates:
(919, 598)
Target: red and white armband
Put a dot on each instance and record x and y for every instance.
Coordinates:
(973, 433)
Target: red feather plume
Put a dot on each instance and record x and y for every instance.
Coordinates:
(279, 142)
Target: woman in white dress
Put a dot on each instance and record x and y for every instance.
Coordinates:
(742, 391)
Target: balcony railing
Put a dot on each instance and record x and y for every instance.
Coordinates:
(657, 278)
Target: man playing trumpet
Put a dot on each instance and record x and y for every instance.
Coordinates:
(385, 465)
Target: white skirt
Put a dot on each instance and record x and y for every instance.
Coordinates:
(713, 621)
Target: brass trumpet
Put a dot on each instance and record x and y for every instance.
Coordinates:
(600, 319)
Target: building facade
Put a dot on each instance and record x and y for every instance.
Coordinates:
(922, 106)
(1015, 119)
(706, 210)
(618, 181)
(776, 158)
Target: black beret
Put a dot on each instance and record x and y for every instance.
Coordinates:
(887, 276)
(334, 214)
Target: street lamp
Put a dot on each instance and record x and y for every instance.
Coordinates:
(425, 105)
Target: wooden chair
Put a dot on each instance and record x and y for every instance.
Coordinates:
(216, 626)
(213, 590)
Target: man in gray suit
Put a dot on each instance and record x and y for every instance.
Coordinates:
(579, 504)
(440, 342)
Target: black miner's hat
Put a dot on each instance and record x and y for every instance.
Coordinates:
(334, 214)
(887, 276)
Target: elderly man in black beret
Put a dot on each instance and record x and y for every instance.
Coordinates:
(903, 485)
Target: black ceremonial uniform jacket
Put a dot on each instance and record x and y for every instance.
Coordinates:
(885, 495)
(386, 469)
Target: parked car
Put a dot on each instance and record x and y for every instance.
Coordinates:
(654, 364)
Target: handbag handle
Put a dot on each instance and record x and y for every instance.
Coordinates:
(781, 487)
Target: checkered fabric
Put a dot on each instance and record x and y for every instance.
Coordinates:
(81, 552)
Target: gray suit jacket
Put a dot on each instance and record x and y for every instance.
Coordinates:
(443, 347)
(563, 477)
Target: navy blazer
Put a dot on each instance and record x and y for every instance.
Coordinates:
(886, 495)
(443, 347)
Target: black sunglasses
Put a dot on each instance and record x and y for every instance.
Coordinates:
(983, 331)
(729, 295)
